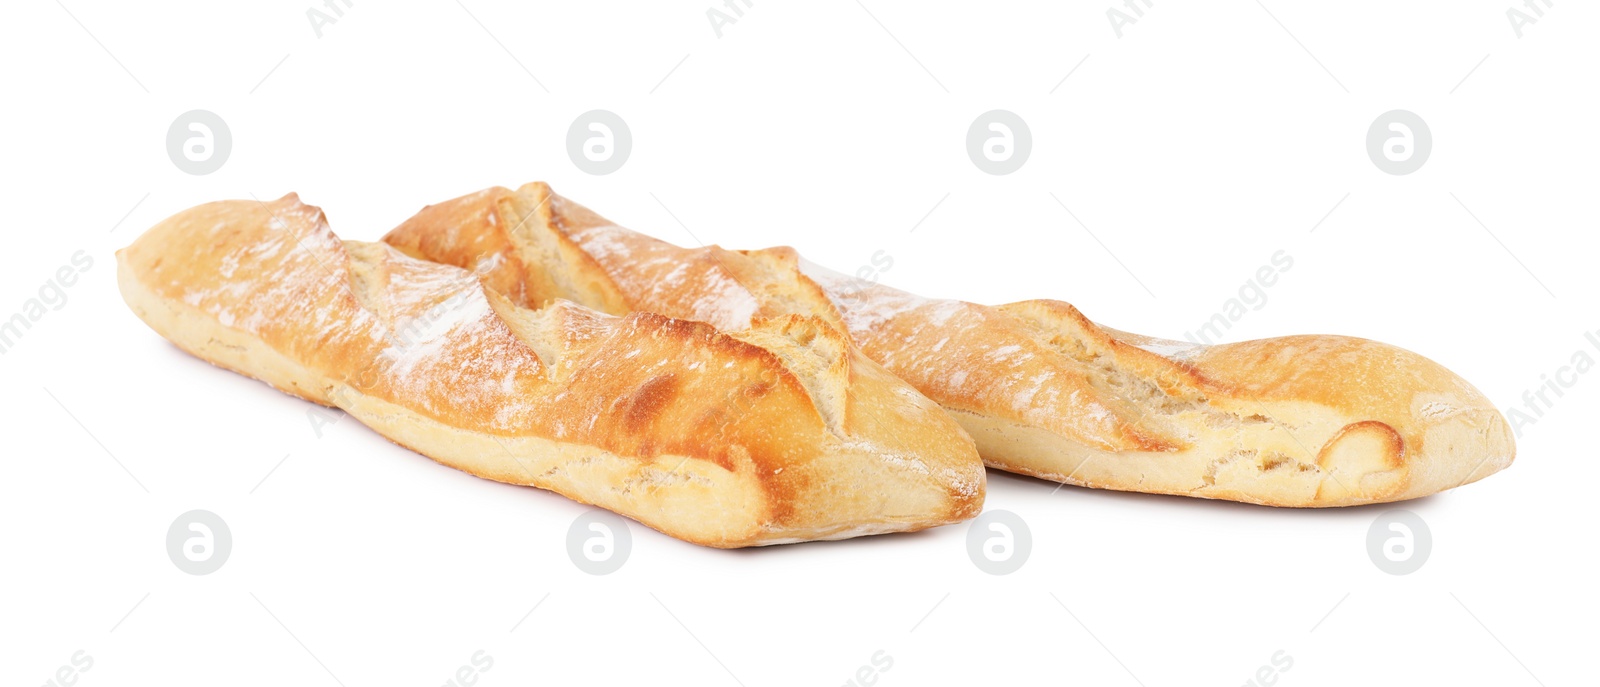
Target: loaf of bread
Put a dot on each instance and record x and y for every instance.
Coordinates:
(777, 432)
(1293, 421)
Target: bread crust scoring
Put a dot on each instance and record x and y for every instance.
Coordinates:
(770, 434)
(1293, 421)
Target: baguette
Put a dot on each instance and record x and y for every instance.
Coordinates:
(1304, 421)
(779, 432)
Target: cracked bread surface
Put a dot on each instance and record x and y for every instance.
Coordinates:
(1292, 421)
(762, 436)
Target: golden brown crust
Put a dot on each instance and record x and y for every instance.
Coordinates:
(710, 437)
(1292, 421)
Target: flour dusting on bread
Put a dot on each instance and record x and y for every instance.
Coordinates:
(1045, 391)
(718, 439)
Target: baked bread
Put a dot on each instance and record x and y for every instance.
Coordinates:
(1292, 421)
(779, 432)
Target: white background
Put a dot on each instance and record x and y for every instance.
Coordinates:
(1191, 148)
